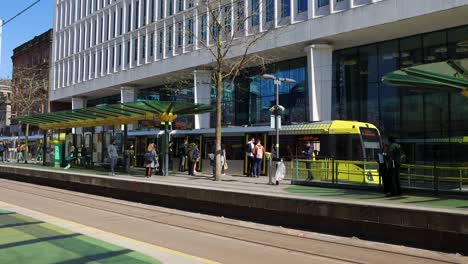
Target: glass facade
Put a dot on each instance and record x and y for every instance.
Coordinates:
(247, 102)
(429, 125)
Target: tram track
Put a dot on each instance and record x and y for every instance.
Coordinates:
(219, 228)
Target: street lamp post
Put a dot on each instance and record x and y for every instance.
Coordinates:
(277, 108)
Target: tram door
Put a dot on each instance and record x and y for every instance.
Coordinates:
(263, 137)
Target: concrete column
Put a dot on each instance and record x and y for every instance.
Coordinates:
(319, 68)
(128, 95)
(78, 103)
(202, 95)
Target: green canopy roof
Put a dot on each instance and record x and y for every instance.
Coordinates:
(448, 76)
(115, 114)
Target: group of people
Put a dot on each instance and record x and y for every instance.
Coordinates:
(390, 159)
(20, 153)
(255, 152)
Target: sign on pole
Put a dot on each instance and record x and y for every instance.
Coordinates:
(272, 121)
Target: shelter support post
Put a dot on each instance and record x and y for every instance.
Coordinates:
(124, 148)
(166, 149)
(44, 148)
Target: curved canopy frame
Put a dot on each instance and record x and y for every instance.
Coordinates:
(115, 114)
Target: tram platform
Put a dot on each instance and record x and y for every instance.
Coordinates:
(433, 222)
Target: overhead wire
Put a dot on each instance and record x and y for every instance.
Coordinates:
(21, 12)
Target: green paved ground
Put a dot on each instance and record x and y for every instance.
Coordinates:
(431, 201)
(27, 240)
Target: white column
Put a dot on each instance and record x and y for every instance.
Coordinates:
(128, 95)
(319, 68)
(202, 95)
(78, 103)
(1, 27)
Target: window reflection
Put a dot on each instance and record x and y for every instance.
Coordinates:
(427, 122)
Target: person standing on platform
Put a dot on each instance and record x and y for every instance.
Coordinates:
(394, 157)
(113, 156)
(250, 156)
(212, 157)
(309, 155)
(2, 152)
(149, 160)
(382, 159)
(193, 156)
(183, 155)
(224, 165)
(258, 152)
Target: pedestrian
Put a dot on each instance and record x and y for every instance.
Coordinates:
(170, 150)
(394, 156)
(84, 157)
(130, 157)
(250, 156)
(193, 157)
(113, 156)
(70, 156)
(158, 161)
(224, 165)
(22, 152)
(309, 156)
(382, 159)
(2, 152)
(183, 155)
(212, 157)
(258, 152)
(149, 160)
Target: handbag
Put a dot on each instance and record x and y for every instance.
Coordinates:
(225, 165)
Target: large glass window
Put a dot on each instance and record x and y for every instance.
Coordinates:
(190, 31)
(458, 43)
(322, 3)
(285, 8)
(270, 10)
(254, 12)
(428, 123)
(301, 6)
(435, 46)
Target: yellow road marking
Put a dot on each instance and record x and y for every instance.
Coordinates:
(163, 249)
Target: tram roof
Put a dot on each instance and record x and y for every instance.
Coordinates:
(115, 114)
(447, 76)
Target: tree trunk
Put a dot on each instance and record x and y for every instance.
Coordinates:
(219, 106)
(26, 151)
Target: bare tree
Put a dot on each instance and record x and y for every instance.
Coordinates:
(29, 93)
(228, 31)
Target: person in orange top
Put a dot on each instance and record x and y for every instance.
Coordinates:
(258, 153)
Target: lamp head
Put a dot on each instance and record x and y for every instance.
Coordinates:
(268, 76)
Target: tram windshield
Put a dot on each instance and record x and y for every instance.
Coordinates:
(371, 142)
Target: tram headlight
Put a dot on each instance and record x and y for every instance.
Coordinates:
(369, 176)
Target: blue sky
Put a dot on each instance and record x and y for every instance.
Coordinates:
(33, 22)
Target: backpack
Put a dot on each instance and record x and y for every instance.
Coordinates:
(259, 152)
(248, 148)
(2, 149)
(149, 157)
(196, 154)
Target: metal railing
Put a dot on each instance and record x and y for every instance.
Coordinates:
(437, 178)
(335, 171)
(362, 173)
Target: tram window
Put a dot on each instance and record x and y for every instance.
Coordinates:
(347, 147)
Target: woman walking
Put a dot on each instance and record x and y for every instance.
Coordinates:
(149, 159)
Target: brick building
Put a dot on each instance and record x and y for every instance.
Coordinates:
(30, 82)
